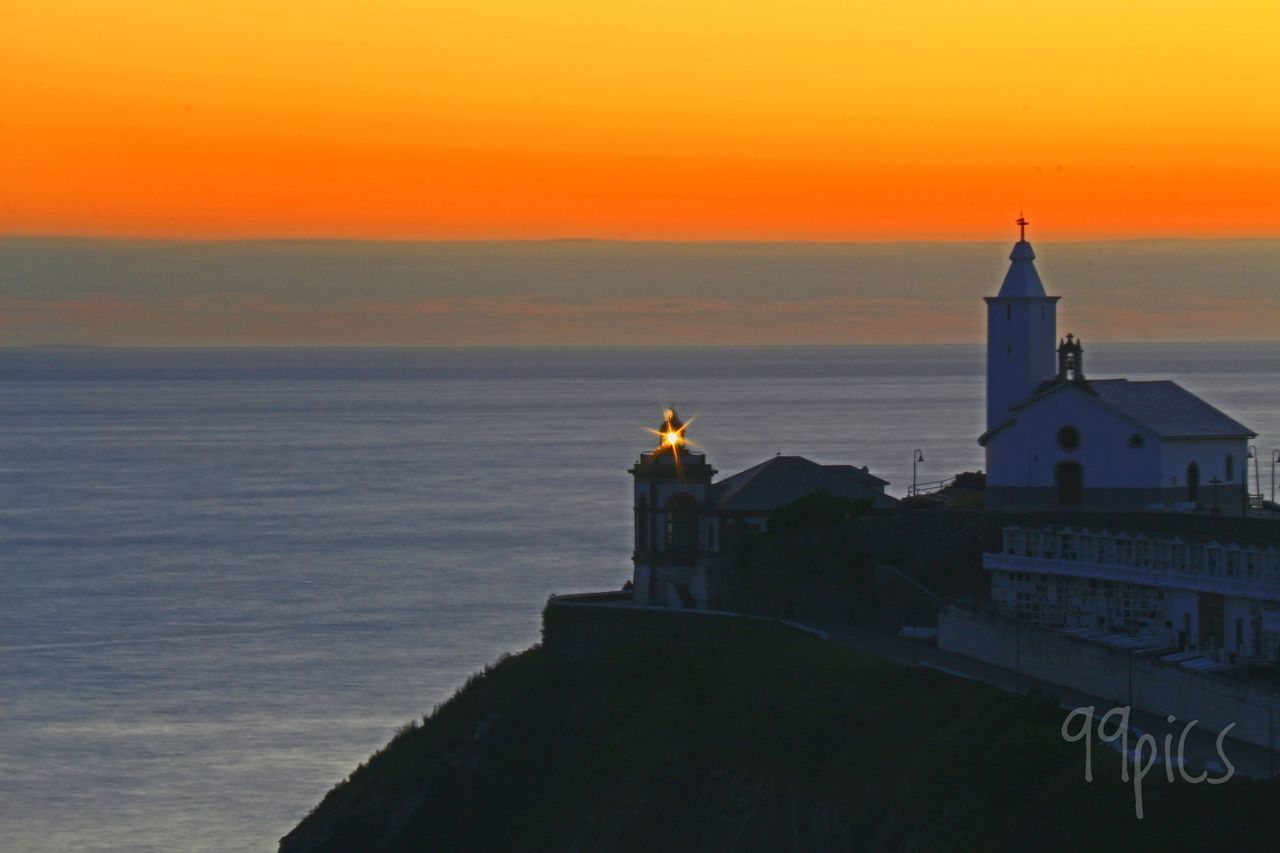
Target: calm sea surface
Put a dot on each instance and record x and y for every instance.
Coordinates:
(229, 576)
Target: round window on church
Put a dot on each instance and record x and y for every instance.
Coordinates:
(1068, 438)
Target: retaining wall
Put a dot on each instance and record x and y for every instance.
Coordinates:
(1109, 673)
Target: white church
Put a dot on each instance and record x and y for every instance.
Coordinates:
(1056, 439)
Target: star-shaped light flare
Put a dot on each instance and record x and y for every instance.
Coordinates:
(671, 435)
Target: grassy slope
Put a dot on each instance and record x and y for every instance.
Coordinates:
(754, 737)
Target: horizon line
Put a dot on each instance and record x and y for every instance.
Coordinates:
(115, 238)
(27, 347)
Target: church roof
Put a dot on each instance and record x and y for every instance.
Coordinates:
(1162, 406)
(1167, 409)
(781, 480)
(1022, 281)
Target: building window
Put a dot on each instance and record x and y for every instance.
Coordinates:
(1215, 562)
(1008, 312)
(1136, 442)
(1068, 438)
(1231, 467)
(1193, 482)
(642, 524)
(711, 536)
(682, 523)
(1031, 544)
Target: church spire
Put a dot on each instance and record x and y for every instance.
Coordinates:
(1022, 280)
(1021, 333)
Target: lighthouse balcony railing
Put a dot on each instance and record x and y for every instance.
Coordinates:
(1143, 575)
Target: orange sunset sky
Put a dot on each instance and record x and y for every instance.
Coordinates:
(770, 119)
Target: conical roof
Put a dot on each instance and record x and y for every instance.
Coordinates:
(1022, 281)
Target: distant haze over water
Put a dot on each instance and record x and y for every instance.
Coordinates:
(231, 574)
(337, 293)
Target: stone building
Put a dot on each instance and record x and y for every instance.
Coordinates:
(685, 519)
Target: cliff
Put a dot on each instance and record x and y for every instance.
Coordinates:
(733, 734)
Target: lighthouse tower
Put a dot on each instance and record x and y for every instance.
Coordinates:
(671, 485)
(1021, 334)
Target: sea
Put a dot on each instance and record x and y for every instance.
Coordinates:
(228, 576)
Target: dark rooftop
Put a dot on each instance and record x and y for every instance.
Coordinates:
(782, 480)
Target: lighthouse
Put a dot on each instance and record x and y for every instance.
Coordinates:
(670, 484)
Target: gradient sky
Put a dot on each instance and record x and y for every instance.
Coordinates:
(771, 119)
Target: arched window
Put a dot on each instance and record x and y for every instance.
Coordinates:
(642, 524)
(1008, 313)
(1231, 467)
(682, 523)
(1136, 441)
(1193, 482)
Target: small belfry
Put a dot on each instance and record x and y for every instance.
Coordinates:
(1071, 359)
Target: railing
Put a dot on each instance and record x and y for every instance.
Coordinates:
(1256, 501)
(929, 488)
(1144, 575)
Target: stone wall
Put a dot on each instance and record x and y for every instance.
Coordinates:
(593, 624)
(1110, 674)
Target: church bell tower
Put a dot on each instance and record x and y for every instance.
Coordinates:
(1022, 333)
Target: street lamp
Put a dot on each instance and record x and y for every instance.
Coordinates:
(1248, 496)
(916, 457)
(1275, 457)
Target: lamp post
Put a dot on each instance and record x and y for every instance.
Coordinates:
(1248, 496)
(1275, 457)
(916, 457)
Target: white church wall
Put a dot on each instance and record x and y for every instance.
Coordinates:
(1027, 452)
(1021, 351)
(1210, 454)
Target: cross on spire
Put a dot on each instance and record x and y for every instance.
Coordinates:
(1022, 226)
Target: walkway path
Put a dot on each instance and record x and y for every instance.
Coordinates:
(1249, 760)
